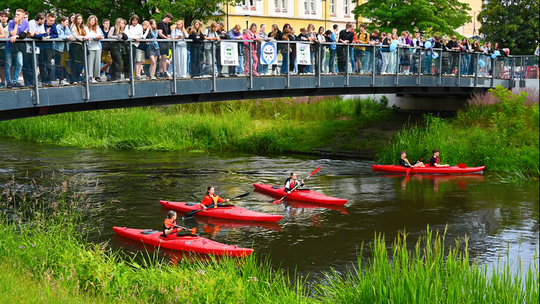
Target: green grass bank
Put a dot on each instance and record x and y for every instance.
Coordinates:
(498, 129)
(46, 258)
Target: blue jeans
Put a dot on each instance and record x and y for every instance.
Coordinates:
(240, 67)
(351, 59)
(284, 63)
(465, 58)
(367, 64)
(331, 61)
(9, 63)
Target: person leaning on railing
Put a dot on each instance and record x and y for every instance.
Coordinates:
(61, 51)
(94, 35)
(346, 36)
(222, 34)
(119, 51)
(134, 31)
(251, 36)
(211, 37)
(180, 59)
(196, 49)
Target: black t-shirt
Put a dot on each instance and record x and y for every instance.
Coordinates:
(403, 163)
(451, 44)
(164, 27)
(374, 38)
(346, 36)
(432, 161)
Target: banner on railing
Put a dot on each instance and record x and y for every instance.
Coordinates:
(269, 53)
(229, 53)
(303, 56)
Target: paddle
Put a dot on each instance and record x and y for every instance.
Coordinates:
(192, 230)
(281, 199)
(193, 212)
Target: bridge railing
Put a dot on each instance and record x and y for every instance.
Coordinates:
(80, 63)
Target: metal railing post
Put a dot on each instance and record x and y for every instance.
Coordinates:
(418, 81)
(347, 67)
(476, 69)
(458, 79)
(374, 66)
(319, 67)
(397, 67)
(34, 66)
(492, 73)
(131, 74)
(213, 66)
(251, 66)
(86, 84)
(512, 72)
(439, 79)
(288, 64)
(174, 89)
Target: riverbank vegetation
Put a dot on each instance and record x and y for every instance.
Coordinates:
(44, 247)
(498, 129)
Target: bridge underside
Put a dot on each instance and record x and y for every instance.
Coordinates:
(20, 103)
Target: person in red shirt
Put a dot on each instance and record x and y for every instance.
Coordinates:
(211, 198)
(170, 227)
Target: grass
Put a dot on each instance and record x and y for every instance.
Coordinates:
(44, 249)
(259, 126)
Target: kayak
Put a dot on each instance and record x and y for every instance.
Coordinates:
(427, 169)
(189, 243)
(309, 196)
(229, 212)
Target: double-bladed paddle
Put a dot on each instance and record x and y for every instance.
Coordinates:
(281, 199)
(193, 212)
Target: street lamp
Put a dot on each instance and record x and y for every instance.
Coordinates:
(247, 21)
(325, 28)
(484, 18)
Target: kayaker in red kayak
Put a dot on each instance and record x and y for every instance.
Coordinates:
(434, 160)
(170, 228)
(405, 162)
(210, 198)
(291, 182)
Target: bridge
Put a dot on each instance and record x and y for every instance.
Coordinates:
(510, 72)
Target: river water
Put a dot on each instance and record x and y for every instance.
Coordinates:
(310, 238)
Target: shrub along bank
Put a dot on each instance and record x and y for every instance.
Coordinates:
(43, 232)
(498, 129)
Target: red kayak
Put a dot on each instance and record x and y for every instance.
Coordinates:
(230, 212)
(427, 169)
(190, 243)
(309, 196)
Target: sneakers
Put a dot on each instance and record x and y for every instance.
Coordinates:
(92, 80)
(17, 85)
(64, 82)
(153, 77)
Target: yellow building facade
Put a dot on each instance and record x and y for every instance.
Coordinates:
(298, 13)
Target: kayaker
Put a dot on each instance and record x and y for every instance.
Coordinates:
(405, 162)
(170, 227)
(210, 198)
(291, 182)
(434, 160)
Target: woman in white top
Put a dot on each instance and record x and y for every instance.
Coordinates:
(180, 56)
(322, 49)
(93, 34)
(135, 31)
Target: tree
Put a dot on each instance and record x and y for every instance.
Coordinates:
(513, 24)
(434, 16)
(189, 10)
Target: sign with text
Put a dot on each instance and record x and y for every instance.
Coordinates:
(269, 53)
(229, 53)
(303, 56)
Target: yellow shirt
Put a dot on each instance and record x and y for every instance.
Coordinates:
(363, 38)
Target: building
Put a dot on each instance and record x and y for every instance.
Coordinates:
(471, 29)
(298, 13)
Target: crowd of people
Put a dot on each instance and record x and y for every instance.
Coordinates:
(197, 50)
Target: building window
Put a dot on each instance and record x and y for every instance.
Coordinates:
(312, 5)
(284, 5)
(246, 4)
(332, 7)
(346, 7)
(306, 6)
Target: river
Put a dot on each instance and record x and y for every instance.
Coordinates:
(495, 215)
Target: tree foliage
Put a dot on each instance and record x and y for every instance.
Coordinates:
(189, 10)
(511, 23)
(434, 16)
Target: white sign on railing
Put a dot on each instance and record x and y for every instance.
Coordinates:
(229, 53)
(303, 55)
(269, 53)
